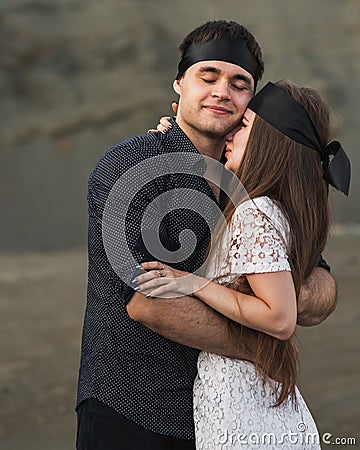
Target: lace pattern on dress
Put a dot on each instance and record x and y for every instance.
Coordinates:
(257, 240)
(231, 402)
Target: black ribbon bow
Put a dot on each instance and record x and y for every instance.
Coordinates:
(338, 172)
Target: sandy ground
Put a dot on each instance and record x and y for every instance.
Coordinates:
(42, 298)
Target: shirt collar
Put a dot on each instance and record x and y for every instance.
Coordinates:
(181, 143)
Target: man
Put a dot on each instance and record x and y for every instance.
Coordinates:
(139, 356)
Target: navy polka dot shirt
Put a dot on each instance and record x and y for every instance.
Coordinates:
(140, 374)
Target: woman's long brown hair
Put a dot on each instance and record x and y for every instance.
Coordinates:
(290, 174)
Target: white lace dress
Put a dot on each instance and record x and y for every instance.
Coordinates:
(232, 408)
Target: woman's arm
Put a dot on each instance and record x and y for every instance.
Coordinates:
(272, 309)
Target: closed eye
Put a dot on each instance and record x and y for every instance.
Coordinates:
(207, 80)
(239, 88)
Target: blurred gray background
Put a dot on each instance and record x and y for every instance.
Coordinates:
(76, 77)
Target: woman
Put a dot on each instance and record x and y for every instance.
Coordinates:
(275, 240)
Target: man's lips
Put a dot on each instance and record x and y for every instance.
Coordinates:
(217, 109)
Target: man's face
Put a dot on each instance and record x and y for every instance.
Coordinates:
(213, 97)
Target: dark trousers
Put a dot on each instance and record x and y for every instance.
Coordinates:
(102, 428)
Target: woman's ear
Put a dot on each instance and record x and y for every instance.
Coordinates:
(177, 86)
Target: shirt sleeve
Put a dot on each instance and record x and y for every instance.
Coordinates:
(324, 265)
(258, 240)
(116, 209)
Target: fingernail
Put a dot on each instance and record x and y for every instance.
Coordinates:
(139, 266)
(135, 280)
(137, 288)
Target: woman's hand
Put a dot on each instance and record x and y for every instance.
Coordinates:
(161, 280)
(164, 125)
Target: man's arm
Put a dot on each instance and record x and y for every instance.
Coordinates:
(187, 321)
(317, 299)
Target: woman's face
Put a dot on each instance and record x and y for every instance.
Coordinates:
(236, 142)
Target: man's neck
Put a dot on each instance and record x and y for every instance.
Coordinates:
(209, 146)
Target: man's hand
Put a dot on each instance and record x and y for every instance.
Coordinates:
(317, 299)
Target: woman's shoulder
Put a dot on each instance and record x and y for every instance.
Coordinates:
(264, 204)
(262, 209)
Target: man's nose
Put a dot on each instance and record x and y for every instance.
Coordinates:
(221, 90)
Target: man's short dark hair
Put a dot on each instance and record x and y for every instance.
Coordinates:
(220, 29)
